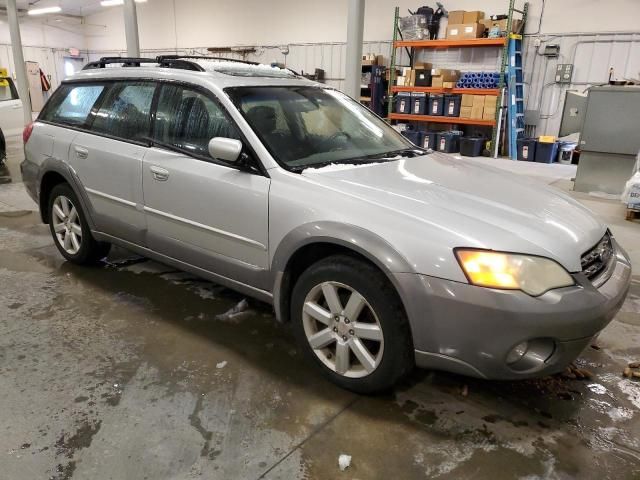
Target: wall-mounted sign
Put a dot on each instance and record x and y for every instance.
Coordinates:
(74, 52)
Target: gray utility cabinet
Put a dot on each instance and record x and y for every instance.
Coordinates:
(610, 139)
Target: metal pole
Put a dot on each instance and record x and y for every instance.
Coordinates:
(131, 28)
(18, 60)
(355, 30)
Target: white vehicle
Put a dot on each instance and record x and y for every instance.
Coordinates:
(11, 119)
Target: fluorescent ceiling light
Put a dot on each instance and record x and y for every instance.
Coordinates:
(113, 3)
(42, 11)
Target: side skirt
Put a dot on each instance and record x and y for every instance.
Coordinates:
(254, 292)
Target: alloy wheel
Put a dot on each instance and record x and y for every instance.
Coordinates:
(66, 225)
(343, 329)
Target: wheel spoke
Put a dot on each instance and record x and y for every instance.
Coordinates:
(58, 211)
(73, 214)
(354, 306)
(74, 241)
(77, 229)
(64, 202)
(317, 312)
(66, 243)
(342, 357)
(59, 227)
(321, 339)
(331, 296)
(368, 331)
(362, 354)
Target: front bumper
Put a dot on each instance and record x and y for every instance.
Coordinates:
(471, 330)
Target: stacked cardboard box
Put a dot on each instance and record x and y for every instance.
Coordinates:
(465, 25)
(466, 105)
(408, 76)
(477, 107)
(516, 24)
(490, 104)
(444, 78)
(371, 59)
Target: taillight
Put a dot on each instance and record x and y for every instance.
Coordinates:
(26, 133)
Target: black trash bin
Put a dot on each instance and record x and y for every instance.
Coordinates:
(527, 149)
(414, 136)
(403, 102)
(436, 105)
(448, 142)
(452, 105)
(471, 146)
(430, 140)
(546, 152)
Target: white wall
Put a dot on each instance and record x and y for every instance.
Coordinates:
(45, 44)
(170, 24)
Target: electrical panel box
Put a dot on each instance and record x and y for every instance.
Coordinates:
(564, 73)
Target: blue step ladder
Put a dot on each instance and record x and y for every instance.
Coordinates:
(515, 94)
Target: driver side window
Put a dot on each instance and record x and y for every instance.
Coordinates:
(187, 119)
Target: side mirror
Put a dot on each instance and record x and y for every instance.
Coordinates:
(227, 149)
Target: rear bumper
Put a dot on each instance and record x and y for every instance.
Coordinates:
(471, 330)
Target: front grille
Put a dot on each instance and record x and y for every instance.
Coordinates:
(596, 260)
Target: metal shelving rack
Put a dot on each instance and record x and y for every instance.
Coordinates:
(413, 45)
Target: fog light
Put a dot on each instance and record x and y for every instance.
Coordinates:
(517, 352)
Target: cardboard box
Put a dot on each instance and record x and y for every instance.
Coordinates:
(490, 101)
(465, 112)
(422, 65)
(465, 30)
(406, 71)
(446, 75)
(467, 100)
(477, 111)
(412, 78)
(436, 82)
(456, 17)
(472, 17)
(449, 84)
(478, 101)
(489, 113)
(400, 81)
(516, 24)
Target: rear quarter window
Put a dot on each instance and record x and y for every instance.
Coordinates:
(72, 104)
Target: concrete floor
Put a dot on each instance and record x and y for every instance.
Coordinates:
(135, 371)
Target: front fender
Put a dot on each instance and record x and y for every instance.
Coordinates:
(364, 242)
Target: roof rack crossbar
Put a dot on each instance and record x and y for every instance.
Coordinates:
(203, 57)
(125, 61)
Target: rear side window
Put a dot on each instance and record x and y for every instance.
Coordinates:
(187, 119)
(7, 89)
(72, 104)
(125, 111)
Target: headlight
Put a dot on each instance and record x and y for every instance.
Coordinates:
(509, 271)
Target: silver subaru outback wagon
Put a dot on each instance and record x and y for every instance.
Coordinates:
(381, 255)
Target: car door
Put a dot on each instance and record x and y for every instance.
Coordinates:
(199, 210)
(11, 114)
(107, 157)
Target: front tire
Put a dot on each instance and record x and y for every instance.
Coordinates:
(70, 230)
(349, 320)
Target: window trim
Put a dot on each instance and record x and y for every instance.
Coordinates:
(259, 170)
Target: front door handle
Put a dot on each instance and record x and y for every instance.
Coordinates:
(160, 174)
(81, 152)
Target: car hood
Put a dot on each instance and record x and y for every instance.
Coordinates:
(477, 205)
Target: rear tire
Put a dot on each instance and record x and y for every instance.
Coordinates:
(350, 322)
(70, 230)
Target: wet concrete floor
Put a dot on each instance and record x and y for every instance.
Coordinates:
(133, 370)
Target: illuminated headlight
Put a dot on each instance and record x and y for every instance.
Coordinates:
(509, 271)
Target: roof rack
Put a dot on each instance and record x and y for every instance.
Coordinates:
(203, 57)
(125, 61)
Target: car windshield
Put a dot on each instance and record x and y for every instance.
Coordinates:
(310, 127)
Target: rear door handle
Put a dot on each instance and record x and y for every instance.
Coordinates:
(160, 174)
(81, 152)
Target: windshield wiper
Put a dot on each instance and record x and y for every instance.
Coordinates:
(405, 152)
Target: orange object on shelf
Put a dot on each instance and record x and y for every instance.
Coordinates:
(438, 119)
(462, 91)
